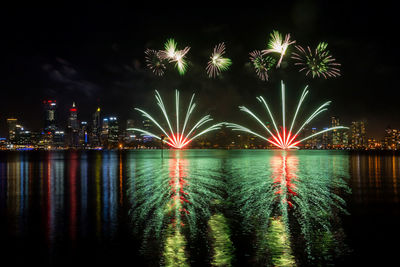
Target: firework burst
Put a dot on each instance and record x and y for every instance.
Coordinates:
(179, 138)
(277, 45)
(262, 64)
(217, 62)
(320, 63)
(169, 50)
(180, 61)
(154, 62)
(171, 54)
(284, 139)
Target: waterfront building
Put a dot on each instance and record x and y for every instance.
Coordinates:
(336, 134)
(358, 135)
(110, 132)
(84, 134)
(95, 136)
(73, 127)
(50, 107)
(12, 129)
(391, 139)
(129, 136)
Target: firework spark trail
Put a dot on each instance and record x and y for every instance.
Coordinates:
(278, 45)
(284, 139)
(178, 139)
(261, 64)
(217, 62)
(319, 63)
(154, 62)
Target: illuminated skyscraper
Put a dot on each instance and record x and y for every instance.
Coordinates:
(325, 140)
(83, 134)
(147, 127)
(130, 133)
(110, 132)
(73, 127)
(358, 135)
(73, 117)
(96, 129)
(336, 134)
(50, 107)
(12, 129)
(391, 139)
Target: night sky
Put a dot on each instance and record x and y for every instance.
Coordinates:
(93, 54)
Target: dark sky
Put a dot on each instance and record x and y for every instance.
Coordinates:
(93, 54)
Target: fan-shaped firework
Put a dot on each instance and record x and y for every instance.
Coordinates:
(262, 64)
(321, 63)
(154, 62)
(171, 54)
(217, 62)
(284, 139)
(277, 45)
(180, 138)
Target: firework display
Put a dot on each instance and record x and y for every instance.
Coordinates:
(319, 63)
(284, 139)
(261, 64)
(217, 62)
(180, 138)
(154, 62)
(277, 45)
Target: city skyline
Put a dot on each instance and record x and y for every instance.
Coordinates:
(106, 131)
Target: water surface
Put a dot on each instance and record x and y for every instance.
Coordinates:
(198, 207)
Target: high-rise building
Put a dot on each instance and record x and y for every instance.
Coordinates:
(325, 142)
(50, 107)
(113, 133)
(147, 127)
(336, 134)
(83, 134)
(12, 129)
(73, 117)
(130, 133)
(110, 132)
(358, 135)
(391, 139)
(73, 127)
(59, 139)
(96, 129)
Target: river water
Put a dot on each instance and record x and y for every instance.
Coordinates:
(199, 208)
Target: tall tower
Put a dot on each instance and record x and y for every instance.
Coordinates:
(96, 129)
(73, 126)
(50, 107)
(73, 118)
(113, 133)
